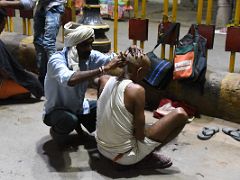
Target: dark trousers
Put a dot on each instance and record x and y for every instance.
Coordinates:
(64, 121)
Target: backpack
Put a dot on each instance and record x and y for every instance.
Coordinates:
(190, 62)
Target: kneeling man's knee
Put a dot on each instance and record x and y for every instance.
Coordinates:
(182, 115)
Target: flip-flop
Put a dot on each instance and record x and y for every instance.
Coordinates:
(207, 132)
(234, 133)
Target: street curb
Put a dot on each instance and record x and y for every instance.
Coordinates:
(219, 97)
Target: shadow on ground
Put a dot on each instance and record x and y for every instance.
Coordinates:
(19, 101)
(58, 159)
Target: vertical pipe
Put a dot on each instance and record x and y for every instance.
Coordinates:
(7, 25)
(11, 24)
(174, 13)
(237, 13)
(209, 12)
(135, 16)
(199, 11)
(24, 26)
(165, 13)
(143, 17)
(143, 9)
(135, 8)
(232, 62)
(29, 27)
(236, 23)
(115, 25)
(174, 18)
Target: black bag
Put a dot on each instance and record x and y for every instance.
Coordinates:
(160, 72)
(168, 33)
(190, 61)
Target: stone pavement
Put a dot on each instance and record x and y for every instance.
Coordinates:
(28, 152)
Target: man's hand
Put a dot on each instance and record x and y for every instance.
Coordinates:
(134, 51)
(117, 61)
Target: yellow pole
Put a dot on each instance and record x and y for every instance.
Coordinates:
(143, 9)
(29, 27)
(143, 17)
(209, 12)
(174, 18)
(174, 9)
(236, 23)
(24, 26)
(232, 62)
(115, 25)
(199, 11)
(71, 5)
(135, 9)
(11, 24)
(135, 15)
(237, 13)
(165, 13)
(6, 26)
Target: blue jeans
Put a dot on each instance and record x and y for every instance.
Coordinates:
(46, 27)
(63, 121)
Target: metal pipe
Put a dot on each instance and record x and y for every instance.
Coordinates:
(29, 27)
(237, 13)
(11, 24)
(199, 11)
(209, 12)
(165, 13)
(24, 26)
(232, 62)
(115, 48)
(143, 15)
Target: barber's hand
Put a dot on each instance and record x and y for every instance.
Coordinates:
(133, 50)
(117, 61)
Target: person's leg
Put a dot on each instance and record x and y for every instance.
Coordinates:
(51, 28)
(168, 127)
(39, 23)
(89, 120)
(62, 122)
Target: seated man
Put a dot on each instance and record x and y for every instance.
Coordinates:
(121, 133)
(14, 80)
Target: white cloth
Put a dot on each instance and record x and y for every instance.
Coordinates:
(72, 37)
(114, 133)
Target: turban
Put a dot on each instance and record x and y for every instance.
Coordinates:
(74, 36)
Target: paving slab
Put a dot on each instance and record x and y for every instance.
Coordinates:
(28, 152)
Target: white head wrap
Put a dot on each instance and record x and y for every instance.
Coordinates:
(74, 36)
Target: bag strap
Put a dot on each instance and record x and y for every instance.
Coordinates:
(195, 33)
(166, 34)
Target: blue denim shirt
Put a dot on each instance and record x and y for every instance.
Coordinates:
(58, 94)
(30, 4)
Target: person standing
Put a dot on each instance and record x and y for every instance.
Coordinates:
(47, 21)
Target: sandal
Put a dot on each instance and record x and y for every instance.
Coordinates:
(207, 132)
(234, 133)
